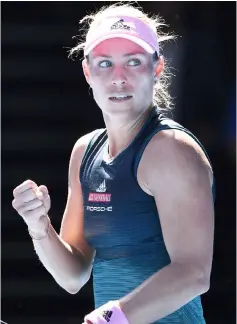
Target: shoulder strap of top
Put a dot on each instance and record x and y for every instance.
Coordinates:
(93, 140)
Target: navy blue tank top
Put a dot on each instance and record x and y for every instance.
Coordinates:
(121, 221)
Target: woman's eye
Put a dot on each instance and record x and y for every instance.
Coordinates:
(105, 64)
(134, 62)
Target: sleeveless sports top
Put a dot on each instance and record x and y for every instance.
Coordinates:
(121, 221)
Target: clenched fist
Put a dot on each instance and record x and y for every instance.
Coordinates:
(32, 203)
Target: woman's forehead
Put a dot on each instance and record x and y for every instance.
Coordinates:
(121, 46)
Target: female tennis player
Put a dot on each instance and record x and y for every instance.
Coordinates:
(140, 192)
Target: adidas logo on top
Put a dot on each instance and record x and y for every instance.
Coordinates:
(100, 195)
(102, 187)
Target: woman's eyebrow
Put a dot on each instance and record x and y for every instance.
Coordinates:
(125, 55)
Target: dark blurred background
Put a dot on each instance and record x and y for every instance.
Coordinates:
(46, 107)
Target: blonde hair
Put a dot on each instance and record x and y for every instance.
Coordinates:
(161, 96)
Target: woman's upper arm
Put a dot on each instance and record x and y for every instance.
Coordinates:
(72, 222)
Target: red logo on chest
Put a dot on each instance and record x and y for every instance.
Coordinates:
(104, 197)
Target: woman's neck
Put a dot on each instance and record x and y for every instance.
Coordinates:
(120, 135)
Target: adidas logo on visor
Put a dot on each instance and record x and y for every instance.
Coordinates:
(119, 25)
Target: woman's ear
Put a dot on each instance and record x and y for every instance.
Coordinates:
(159, 68)
(86, 72)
